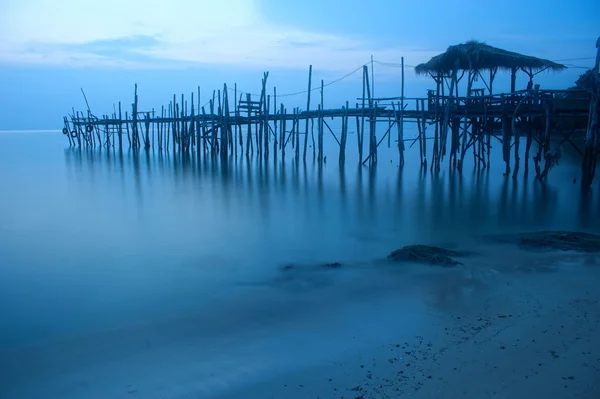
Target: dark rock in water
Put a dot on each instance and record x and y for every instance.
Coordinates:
(426, 254)
(562, 241)
(291, 266)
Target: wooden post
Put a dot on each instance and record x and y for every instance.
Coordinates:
(296, 132)
(465, 132)
(120, 128)
(161, 128)
(169, 126)
(513, 80)
(446, 120)
(342, 156)
(374, 134)
(372, 120)
(506, 136)
(307, 109)
(204, 133)
(320, 156)
(398, 117)
(213, 126)
(249, 145)
(360, 129)
(389, 136)
(147, 125)
(192, 128)
(127, 128)
(282, 140)
(435, 156)
(401, 123)
(239, 125)
(592, 138)
(225, 124)
(67, 130)
(266, 124)
(183, 125)
(236, 116)
(174, 123)
(198, 123)
(276, 138)
(312, 132)
(152, 128)
(527, 147)
(420, 136)
(372, 78)
(515, 132)
(134, 116)
(424, 129)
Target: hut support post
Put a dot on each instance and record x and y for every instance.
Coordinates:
(453, 83)
(401, 122)
(465, 134)
(515, 132)
(435, 161)
(513, 80)
(527, 148)
(592, 141)
(505, 136)
(506, 143)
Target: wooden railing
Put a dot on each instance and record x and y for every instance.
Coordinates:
(558, 100)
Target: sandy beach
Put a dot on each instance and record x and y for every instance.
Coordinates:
(507, 323)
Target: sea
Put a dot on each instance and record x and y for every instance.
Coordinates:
(108, 254)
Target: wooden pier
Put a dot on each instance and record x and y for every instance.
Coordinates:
(240, 125)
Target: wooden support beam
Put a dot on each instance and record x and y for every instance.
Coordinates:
(307, 109)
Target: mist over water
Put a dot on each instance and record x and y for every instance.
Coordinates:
(97, 241)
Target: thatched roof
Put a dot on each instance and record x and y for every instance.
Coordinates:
(480, 56)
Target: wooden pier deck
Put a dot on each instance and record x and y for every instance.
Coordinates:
(238, 126)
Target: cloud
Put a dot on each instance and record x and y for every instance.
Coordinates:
(156, 33)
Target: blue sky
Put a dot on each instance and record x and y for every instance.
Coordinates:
(50, 49)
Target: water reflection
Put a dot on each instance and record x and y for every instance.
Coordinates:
(146, 234)
(369, 201)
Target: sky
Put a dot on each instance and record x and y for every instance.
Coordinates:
(51, 49)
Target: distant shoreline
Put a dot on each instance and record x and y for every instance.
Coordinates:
(31, 131)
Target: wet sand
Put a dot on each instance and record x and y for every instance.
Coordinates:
(508, 323)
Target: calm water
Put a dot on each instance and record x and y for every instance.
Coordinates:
(96, 241)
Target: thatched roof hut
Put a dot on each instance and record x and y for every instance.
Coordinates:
(475, 55)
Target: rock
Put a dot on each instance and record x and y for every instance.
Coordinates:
(562, 241)
(425, 254)
(307, 267)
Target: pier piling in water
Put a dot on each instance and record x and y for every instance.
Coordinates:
(472, 121)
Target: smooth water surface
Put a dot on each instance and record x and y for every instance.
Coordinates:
(97, 241)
